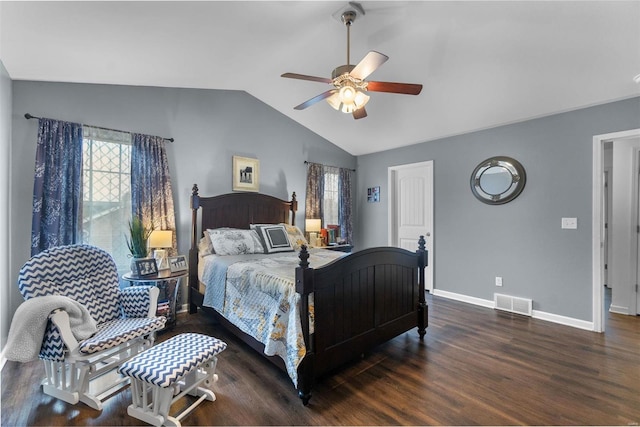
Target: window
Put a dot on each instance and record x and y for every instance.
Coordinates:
(106, 187)
(331, 197)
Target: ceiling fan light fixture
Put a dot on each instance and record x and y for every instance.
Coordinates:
(347, 95)
(349, 91)
(361, 99)
(348, 99)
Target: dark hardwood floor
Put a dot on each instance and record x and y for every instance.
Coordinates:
(476, 366)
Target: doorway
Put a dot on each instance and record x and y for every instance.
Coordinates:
(598, 231)
(411, 210)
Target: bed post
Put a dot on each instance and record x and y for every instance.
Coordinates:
(304, 286)
(193, 250)
(423, 308)
(294, 208)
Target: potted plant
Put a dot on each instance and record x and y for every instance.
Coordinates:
(137, 240)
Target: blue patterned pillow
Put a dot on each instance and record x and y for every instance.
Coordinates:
(234, 241)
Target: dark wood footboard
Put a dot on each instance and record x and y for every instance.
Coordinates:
(360, 301)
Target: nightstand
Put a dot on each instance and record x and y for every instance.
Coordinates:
(339, 248)
(168, 283)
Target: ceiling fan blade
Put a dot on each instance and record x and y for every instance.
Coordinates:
(368, 65)
(360, 113)
(304, 77)
(315, 99)
(403, 88)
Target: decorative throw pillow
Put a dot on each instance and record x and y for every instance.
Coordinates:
(234, 241)
(296, 237)
(205, 247)
(274, 238)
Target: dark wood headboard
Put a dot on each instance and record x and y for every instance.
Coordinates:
(236, 210)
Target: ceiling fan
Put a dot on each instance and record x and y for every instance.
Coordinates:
(349, 85)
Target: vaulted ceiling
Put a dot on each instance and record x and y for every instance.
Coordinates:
(481, 64)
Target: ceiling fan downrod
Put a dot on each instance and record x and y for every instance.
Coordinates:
(347, 18)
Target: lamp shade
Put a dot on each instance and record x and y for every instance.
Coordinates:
(312, 225)
(161, 239)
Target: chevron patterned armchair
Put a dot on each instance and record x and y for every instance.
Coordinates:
(86, 371)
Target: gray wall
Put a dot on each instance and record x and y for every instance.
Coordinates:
(473, 242)
(5, 170)
(522, 240)
(209, 127)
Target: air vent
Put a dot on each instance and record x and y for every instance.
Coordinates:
(513, 304)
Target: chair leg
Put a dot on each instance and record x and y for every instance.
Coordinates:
(60, 381)
(69, 383)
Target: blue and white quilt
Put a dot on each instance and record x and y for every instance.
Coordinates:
(256, 293)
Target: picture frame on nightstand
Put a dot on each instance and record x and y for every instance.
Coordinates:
(146, 267)
(178, 263)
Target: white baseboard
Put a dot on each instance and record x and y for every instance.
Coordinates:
(618, 309)
(537, 314)
(563, 320)
(184, 308)
(464, 298)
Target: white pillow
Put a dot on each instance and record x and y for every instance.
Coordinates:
(205, 247)
(235, 241)
(274, 238)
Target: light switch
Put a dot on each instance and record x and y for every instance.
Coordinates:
(570, 223)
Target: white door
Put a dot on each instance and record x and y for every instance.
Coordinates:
(637, 261)
(606, 214)
(411, 210)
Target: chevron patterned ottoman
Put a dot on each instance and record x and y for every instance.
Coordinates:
(172, 368)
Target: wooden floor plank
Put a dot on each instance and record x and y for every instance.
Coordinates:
(476, 366)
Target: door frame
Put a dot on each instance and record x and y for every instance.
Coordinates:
(597, 227)
(392, 229)
(635, 216)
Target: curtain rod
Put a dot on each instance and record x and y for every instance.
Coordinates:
(306, 162)
(29, 116)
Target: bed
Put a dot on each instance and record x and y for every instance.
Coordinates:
(347, 306)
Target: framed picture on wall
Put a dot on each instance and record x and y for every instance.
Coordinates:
(246, 174)
(373, 194)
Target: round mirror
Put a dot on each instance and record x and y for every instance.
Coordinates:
(498, 180)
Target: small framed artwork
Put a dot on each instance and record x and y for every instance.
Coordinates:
(246, 174)
(178, 263)
(373, 194)
(146, 266)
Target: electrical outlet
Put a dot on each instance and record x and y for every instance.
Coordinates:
(498, 281)
(570, 223)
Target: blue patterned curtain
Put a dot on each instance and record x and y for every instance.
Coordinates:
(344, 205)
(151, 194)
(57, 187)
(315, 191)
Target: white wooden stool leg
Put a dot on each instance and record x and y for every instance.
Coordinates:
(210, 369)
(155, 412)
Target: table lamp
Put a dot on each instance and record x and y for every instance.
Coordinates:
(312, 227)
(158, 240)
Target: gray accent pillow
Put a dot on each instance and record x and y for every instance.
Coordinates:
(274, 238)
